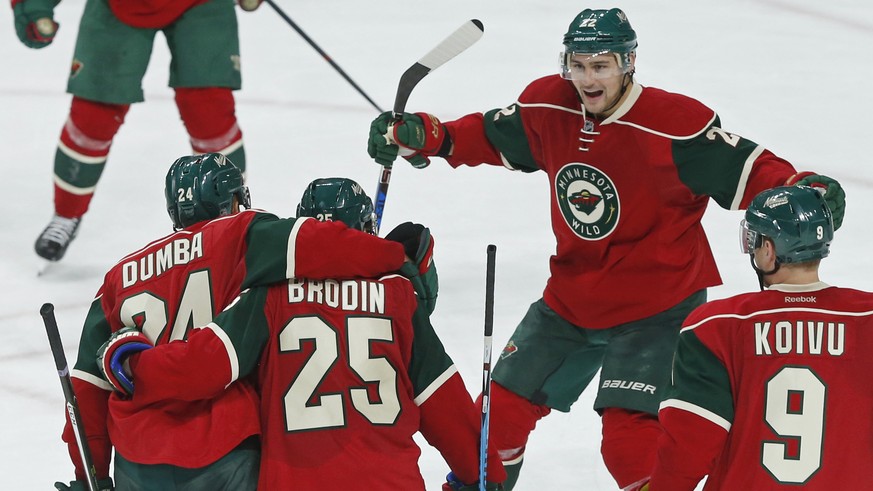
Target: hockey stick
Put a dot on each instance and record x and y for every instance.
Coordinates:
(464, 37)
(324, 55)
(47, 311)
(486, 366)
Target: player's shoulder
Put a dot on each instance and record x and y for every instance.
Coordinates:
(550, 91)
(720, 309)
(657, 111)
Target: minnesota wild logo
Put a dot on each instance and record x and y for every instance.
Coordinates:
(509, 349)
(75, 68)
(588, 200)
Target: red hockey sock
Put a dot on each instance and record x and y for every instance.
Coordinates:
(629, 444)
(209, 116)
(81, 155)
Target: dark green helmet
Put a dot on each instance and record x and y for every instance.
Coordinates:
(796, 218)
(601, 31)
(337, 198)
(202, 187)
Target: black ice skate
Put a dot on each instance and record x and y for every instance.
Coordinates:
(52, 243)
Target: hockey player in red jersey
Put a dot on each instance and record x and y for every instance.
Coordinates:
(771, 390)
(181, 281)
(348, 371)
(113, 48)
(631, 170)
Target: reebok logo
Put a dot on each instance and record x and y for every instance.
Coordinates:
(799, 299)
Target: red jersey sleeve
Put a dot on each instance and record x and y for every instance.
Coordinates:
(687, 450)
(332, 250)
(451, 424)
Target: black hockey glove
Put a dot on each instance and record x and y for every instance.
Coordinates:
(418, 245)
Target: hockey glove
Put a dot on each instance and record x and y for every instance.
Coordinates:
(34, 22)
(833, 193)
(249, 5)
(421, 271)
(102, 485)
(453, 484)
(415, 136)
(112, 357)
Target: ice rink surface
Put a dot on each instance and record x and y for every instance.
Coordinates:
(789, 75)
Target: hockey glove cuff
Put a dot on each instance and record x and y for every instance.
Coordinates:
(453, 484)
(34, 22)
(102, 485)
(420, 136)
(832, 191)
(112, 358)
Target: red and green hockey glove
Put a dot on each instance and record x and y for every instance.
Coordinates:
(832, 191)
(34, 22)
(453, 484)
(112, 357)
(421, 271)
(415, 137)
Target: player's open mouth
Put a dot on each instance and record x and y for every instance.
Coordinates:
(593, 94)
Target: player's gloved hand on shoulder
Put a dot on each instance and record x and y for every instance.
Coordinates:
(415, 137)
(102, 485)
(249, 5)
(833, 192)
(34, 22)
(112, 357)
(453, 484)
(421, 270)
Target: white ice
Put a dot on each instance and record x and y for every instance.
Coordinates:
(789, 74)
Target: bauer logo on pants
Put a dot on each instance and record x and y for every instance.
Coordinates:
(588, 200)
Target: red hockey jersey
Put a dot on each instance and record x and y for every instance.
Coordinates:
(627, 192)
(348, 371)
(182, 281)
(772, 392)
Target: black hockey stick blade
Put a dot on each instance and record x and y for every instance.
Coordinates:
(464, 37)
(47, 311)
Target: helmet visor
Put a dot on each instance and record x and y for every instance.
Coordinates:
(598, 66)
(749, 239)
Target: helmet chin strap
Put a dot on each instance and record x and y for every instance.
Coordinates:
(760, 272)
(625, 83)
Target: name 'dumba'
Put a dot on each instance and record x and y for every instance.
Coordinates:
(156, 263)
(354, 295)
(800, 337)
